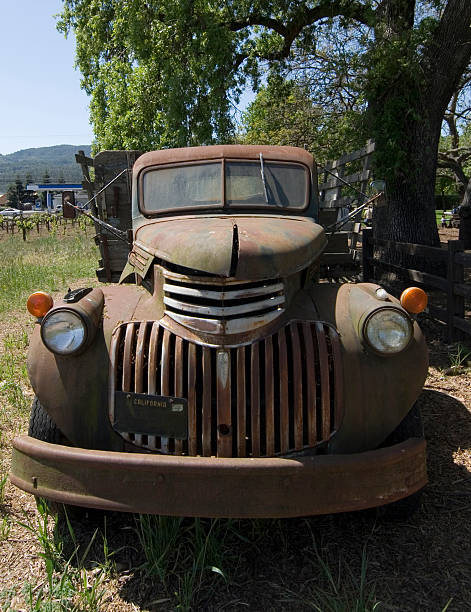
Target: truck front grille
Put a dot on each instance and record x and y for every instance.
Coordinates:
(222, 306)
(279, 395)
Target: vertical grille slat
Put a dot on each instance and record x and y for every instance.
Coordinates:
(255, 399)
(325, 383)
(338, 375)
(152, 369)
(140, 367)
(269, 398)
(127, 362)
(207, 385)
(241, 403)
(284, 395)
(192, 445)
(309, 360)
(297, 386)
(178, 378)
(276, 396)
(224, 425)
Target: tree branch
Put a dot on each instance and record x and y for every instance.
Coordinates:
(290, 28)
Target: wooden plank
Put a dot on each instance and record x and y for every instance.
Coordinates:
(81, 158)
(463, 258)
(338, 243)
(335, 203)
(462, 290)
(331, 259)
(356, 177)
(428, 252)
(437, 312)
(455, 275)
(419, 277)
(462, 324)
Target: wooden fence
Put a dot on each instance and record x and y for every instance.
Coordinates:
(452, 285)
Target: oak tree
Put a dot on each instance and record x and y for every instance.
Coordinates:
(167, 73)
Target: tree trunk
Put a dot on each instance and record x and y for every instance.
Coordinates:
(406, 106)
(410, 212)
(465, 218)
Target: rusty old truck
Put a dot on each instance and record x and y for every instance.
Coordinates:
(226, 380)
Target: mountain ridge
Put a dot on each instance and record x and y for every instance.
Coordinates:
(30, 165)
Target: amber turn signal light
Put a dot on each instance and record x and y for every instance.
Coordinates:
(39, 303)
(414, 300)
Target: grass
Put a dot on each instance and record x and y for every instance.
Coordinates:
(43, 263)
(68, 586)
(188, 556)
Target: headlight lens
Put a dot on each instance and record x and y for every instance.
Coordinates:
(388, 330)
(63, 332)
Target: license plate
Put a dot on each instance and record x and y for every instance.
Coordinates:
(155, 415)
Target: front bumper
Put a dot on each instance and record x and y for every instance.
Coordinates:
(213, 487)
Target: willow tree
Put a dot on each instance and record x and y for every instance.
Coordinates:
(166, 74)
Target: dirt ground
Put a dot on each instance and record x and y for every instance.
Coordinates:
(420, 563)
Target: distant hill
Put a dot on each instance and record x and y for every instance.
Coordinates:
(30, 165)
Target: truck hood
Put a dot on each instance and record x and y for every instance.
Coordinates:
(237, 246)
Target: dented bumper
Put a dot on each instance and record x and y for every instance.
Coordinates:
(218, 487)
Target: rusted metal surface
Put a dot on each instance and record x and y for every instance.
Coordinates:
(171, 156)
(214, 487)
(381, 390)
(268, 246)
(286, 398)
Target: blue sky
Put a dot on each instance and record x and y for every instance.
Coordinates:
(41, 102)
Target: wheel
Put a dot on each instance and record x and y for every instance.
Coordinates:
(410, 427)
(41, 426)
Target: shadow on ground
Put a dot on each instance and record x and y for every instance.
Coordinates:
(417, 564)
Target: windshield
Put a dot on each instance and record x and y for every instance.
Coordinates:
(252, 184)
(285, 184)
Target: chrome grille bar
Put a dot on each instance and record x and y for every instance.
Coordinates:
(221, 305)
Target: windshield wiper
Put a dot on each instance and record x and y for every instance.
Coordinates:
(262, 172)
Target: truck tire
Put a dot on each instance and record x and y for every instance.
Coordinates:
(410, 427)
(41, 426)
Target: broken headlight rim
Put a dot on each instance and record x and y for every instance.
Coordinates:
(64, 331)
(387, 330)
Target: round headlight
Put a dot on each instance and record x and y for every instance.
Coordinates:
(388, 330)
(63, 332)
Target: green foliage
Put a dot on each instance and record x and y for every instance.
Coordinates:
(283, 113)
(16, 194)
(157, 73)
(184, 554)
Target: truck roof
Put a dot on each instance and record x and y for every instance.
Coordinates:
(187, 154)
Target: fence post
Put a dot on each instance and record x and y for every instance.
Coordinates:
(455, 274)
(367, 254)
